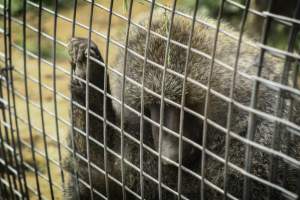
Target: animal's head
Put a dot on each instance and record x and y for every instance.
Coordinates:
(163, 75)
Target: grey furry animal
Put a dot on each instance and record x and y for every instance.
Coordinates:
(78, 52)
(198, 71)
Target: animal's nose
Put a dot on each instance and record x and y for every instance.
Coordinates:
(169, 144)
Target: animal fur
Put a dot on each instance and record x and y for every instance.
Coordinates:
(78, 52)
(198, 71)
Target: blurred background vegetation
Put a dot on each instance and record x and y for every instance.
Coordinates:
(17, 5)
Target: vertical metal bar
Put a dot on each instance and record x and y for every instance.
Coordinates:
(13, 105)
(27, 102)
(10, 139)
(2, 188)
(72, 107)
(207, 98)
(229, 113)
(2, 149)
(105, 97)
(289, 138)
(142, 100)
(280, 101)
(181, 125)
(295, 82)
(162, 102)
(252, 116)
(41, 99)
(55, 91)
(3, 152)
(7, 66)
(7, 155)
(123, 98)
(298, 184)
(74, 18)
(87, 121)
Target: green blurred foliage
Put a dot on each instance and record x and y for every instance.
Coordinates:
(46, 48)
(18, 5)
(211, 7)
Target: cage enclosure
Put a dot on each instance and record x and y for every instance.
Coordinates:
(150, 99)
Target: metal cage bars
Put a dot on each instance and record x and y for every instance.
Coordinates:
(18, 179)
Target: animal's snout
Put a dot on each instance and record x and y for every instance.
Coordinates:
(169, 143)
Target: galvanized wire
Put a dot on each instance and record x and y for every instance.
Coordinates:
(179, 184)
(252, 118)
(162, 99)
(105, 85)
(207, 99)
(41, 100)
(15, 180)
(12, 104)
(233, 83)
(27, 101)
(87, 101)
(72, 129)
(55, 86)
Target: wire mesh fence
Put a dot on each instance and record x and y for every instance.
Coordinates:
(147, 100)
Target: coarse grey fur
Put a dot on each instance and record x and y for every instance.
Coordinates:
(198, 70)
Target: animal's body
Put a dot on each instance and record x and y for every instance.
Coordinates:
(198, 70)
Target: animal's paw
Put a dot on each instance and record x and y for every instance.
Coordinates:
(77, 88)
(78, 50)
